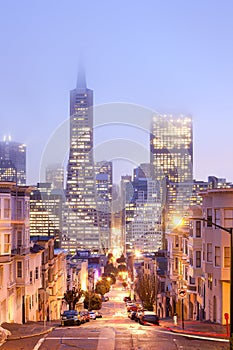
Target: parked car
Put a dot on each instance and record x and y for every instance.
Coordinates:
(92, 315)
(85, 316)
(138, 314)
(105, 298)
(125, 299)
(132, 307)
(70, 318)
(132, 315)
(98, 314)
(149, 319)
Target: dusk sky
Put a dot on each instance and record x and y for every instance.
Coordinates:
(173, 57)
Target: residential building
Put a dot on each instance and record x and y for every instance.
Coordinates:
(217, 207)
(15, 253)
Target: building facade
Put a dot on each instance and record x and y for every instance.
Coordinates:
(81, 221)
(171, 150)
(14, 152)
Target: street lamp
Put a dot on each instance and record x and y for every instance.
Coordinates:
(230, 231)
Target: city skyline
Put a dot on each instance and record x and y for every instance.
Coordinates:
(171, 58)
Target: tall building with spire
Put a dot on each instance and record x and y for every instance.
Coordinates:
(81, 222)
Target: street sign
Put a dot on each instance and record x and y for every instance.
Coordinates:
(182, 293)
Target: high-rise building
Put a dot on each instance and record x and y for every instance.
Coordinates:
(171, 150)
(171, 146)
(81, 222)
(46, 206)
(54, 174)
(15, 153)
(103, 171)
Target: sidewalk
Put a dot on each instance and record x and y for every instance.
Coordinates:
(201, 328)
(29, 329)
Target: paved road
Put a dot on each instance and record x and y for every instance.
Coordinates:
(114, 332)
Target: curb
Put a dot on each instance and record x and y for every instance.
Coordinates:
(220, 337)
(31, 335)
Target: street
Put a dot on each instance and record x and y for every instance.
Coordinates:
(115, 331)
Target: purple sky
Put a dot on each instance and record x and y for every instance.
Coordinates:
(168, 56)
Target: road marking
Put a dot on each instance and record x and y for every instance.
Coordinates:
(38, 344)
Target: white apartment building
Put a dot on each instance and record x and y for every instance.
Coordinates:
(217, 208)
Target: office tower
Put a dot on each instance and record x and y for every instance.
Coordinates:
(46, 205)
(54, 174)
(171, 150)
(8, 172)
(142, 213)
(81, 224)
(171, 146)
(103, 172)
(14, 152)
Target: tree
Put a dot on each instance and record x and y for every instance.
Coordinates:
(92, 301)
(110, 269)
(102, 286)
(121, 259)
(72, 297)
(146, 287)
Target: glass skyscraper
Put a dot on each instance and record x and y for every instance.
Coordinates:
(171, 152)
(81, 221)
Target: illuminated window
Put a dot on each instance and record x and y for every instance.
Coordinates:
(7, 244)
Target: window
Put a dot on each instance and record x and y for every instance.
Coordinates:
(6, 208)
(19, 269)
(198, 228)
(191, 280)
(217, 256)
(227, 257)
(198, 258)
(1, 276)
(37, 273)
(19, 209)
(209, 217)
(30, 277)
(210, 281)
(228, 218)
(7, 244)
(209, 252)
(19, 238)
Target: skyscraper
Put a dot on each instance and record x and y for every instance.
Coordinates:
(171, 146)
(171, 150)
(14, 152)
(81, 224)
(103, 171)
